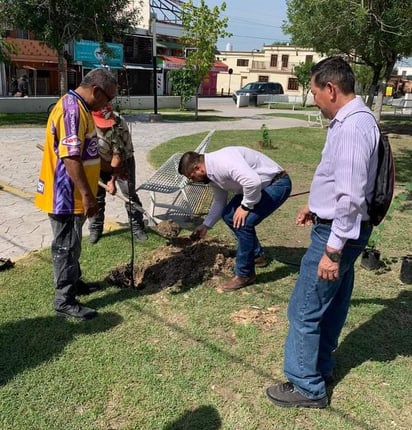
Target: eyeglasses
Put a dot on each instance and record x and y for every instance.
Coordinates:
(105, 94)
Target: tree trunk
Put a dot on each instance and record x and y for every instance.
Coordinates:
(374, 85)
(62, 71)
(197, 103)
(305, 93)
(382, 88)
(379, 101)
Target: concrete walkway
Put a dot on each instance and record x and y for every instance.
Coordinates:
(24, 229)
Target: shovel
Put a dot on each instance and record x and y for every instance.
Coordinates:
(134, 204)
(165, 232)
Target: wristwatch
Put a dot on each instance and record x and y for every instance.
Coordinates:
(333, 256)
(245, 208)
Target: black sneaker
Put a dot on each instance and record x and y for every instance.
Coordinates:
(76, 310)
(94, 237)
(86, 288)
(140, 234)
(286, 396)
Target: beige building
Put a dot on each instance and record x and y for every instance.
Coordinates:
(273, 63)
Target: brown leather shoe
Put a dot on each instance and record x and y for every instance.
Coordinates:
(237, 282)
(261, 261)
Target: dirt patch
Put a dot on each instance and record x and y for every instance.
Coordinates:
(262, 317)
(182, 263)
(168, 228)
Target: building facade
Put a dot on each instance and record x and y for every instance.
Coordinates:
(33, 59)
(132, 62)
(273, 63)
(141, 63)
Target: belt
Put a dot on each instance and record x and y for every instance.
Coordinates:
(278, 176)
(316, 220)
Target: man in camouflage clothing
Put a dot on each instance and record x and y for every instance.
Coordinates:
(118, 166)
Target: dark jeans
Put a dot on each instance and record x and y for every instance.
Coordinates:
(317, 312)
(66, 249)
(248, 243)
(127, 187)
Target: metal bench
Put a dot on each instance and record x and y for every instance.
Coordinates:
(402, 106)
(315, 119)
(167, 180)
(282, 99)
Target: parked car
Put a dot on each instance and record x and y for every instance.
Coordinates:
(252, 89)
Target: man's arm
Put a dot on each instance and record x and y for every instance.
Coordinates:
(216, 209)
(351, 175)
(74, 168)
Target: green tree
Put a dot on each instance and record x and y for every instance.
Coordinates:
(6, 49)
(363, 75)
(376, 33)
(202, 27)
(183, 83)
(303, 75)
(58, 22)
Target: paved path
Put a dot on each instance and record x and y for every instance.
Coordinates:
(23, 228)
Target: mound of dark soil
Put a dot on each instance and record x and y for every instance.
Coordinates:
(182, 263)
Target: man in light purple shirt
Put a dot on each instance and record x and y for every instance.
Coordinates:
(337, 210)
(259, 186)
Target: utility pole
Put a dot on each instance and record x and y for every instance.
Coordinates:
(154, 59)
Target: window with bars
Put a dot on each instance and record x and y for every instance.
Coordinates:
(22, 34)
(309, 59)
(274, 60)
(241, 62)
(293, 84)
(138, 50)
(285, 61)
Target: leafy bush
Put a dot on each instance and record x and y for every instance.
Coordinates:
(266, 141)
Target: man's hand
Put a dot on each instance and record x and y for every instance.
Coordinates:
(239, 217)
(76, 172)
(199, 232)
(90, 205)
(111, 187)
(328, 269)
(303, 217)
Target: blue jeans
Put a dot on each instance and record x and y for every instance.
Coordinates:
(248, 243)
(317, 311)
(66, 249)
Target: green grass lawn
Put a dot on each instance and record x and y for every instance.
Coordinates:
(23, 119)
(190, 358)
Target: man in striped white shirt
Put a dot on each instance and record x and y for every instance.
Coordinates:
(260, 186)
(337, 210)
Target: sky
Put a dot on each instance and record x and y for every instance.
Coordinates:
(253, 23)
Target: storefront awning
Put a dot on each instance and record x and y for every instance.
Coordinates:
(138, 66)
(29, 51)
(173, 63)
(169, 45)
(218, 66)
(33, 65)
(101, 66)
